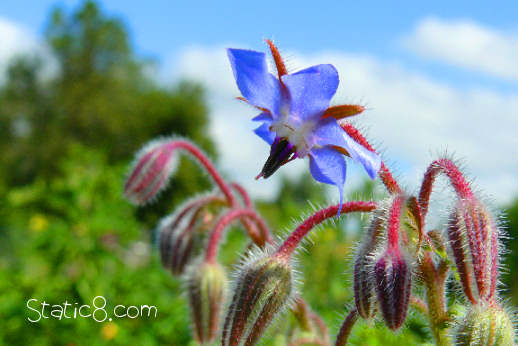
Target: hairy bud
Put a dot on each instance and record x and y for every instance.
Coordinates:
(486, 324)
(180, 241)
(206, 287)
(393, 285)
(364, 280)
(473, 237)
(262, 288)
(153, 165)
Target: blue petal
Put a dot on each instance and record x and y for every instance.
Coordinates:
(369, 160)
(264, 132)
(328, 132)
(310, 91)
(257, 85)
(264, 116)
(328, 166)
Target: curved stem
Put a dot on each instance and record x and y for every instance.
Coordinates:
(251, 227)
(206, 163)
(224, 221)
(197, 203)
(347, 326)
(457, 180)
(244, 195)
(296, 236)
(301, 312)
(386, 177)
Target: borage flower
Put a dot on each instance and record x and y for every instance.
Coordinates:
(296, 118)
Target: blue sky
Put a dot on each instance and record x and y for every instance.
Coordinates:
(438, 78)
(160, 27)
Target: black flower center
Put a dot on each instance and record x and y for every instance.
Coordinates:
(280, 153)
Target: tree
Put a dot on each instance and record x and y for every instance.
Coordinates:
(100, 96)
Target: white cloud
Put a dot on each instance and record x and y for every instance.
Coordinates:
(413, 116)
(467, 44)
(16, 41)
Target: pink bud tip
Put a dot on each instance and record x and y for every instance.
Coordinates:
(150, 171)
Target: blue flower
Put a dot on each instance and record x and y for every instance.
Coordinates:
(296, 118)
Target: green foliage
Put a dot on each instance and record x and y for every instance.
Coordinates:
(72, 238)
(100, 95)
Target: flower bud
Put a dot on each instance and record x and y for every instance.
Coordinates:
(364, 280)
(153, 165)
(393, 285)
(181, 241)
(486, 324)
(206, 287)
(473, 237)
(262, 288)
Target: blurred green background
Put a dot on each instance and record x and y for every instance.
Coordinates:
(65, 231)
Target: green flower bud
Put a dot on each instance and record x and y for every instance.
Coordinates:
(206, 287)
(487, 325)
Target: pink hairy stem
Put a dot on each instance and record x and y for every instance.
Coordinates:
(457, 180)
(206, 163)
(298, 234)
(394, 221)
(386, 177)
(224, 221)
(251, 227)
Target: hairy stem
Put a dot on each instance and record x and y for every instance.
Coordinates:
(394, 221)
(250, 226)
(301, 312)
(298, 234)
(206, 163)
(434, 279)
(347, 326)
(224, 221)
(457, 180)
(386, 177)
